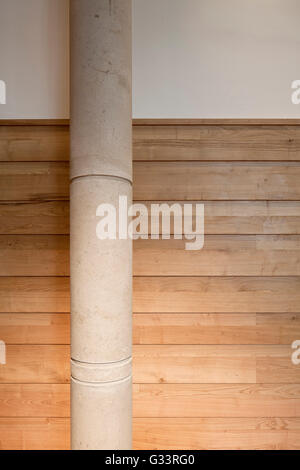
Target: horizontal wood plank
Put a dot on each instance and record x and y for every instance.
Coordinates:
(216, 294)
(161, 364)
(34, 295)
(34, 434)
(162, 433)
(163, 181)
(214, 122)
(257, 217)
(221, 217)
(216, 181)
(172, 142)
(214, 364)
(216, 400)
(34, 218)
(35, 328)
(210, 328)
(240, 217)
(216, 433)
(260, 255)
(34, 181)
(178, 143)
(36, 364)
(34, 255)
(35, 400)
(34, 143)
(185, 328)
(163, 400)
(163, 295)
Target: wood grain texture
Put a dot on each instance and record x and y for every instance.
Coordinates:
(34, 143)
(35, 218)
(34, 295)
(35, 328)
(173, 142)
(214, 364)
(216, 181)
(178, 143)
(213, 122)
(221, 217)
(185, 328)
(216, 294)
(217, 433)
(36, 364)
(163, 400)
(240, 217)
(34, 181)
(44, 181)
(35, 400)
(34, 433)
(157, 433)
(210, 328)
(216, 400)
(48, 255)
(221, 256)
(162, 295)
(34, 255)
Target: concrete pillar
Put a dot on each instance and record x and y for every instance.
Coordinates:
(101, 273)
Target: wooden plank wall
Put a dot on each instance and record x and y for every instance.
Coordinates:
(212, 329)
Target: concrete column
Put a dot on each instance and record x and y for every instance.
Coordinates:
(101, 273)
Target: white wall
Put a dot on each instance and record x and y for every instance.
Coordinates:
(34, 59)
(192, 58)
(216, 58)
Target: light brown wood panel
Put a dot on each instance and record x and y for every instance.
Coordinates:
(205, 328)
(51, 143)
(34, 295)
(216, 400)
(163, 400)
(34, 433)
(280, 370)
(162, 294)
(34, 143)
(189, 330)
(216, 142)
(34, 218)
(35, 400)
(216, 181)
(221, 217)
(36, 364)
(213, 295)
(162, 433)
(161, 364)
(240, 217)
(207, 122)
(210, 328)
(35, 328)
(264, 255)
(216, 433)
(214, 364)
(34, 181)
(34, 255)
(222, 255)
(162, 181)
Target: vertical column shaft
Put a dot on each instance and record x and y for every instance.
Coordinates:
(101, 273)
